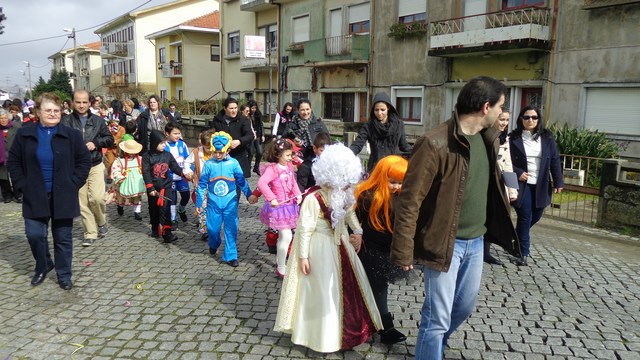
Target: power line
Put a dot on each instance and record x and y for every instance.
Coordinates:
(81, 30)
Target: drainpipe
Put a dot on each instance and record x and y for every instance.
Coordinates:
(552, 57)
(278, 25)
(371, 52)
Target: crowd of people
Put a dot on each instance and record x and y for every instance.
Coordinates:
(335, 228)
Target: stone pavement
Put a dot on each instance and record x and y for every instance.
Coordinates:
(135, 297)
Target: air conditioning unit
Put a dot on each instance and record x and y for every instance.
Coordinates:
(84, 72)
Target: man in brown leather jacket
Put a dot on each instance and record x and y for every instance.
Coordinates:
(452, 197)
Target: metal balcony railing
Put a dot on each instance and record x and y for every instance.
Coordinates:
(116, 79)
(534, 15)
(172, 69)
(338, 45)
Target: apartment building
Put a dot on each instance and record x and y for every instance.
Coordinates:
(187, 58)
(86, 72)
(128, 60)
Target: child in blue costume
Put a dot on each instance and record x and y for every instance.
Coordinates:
(219, 178)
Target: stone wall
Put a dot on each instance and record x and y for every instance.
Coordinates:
(619, 204)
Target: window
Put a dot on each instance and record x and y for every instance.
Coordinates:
(296, 96)
(514, 4)
(162, 55)
(619, 106)
(180, 94)
(234, 43)
(179, 53)
(359, 18)
(132, 68)
(301, 29)
(339, 106)
(412, 10)
(234, 95)
(408, 102)
(130, 33)
(248, 96)
(163, 95)
(270, 33)
(215, 52)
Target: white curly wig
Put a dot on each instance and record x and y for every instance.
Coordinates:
(338, 169)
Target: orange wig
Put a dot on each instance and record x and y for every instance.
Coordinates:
(389, 167)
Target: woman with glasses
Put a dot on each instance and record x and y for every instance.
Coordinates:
(53, 161)
(536, 162)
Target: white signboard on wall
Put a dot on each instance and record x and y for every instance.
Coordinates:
(254, 47)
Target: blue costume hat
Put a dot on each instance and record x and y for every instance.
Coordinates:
(220, 141)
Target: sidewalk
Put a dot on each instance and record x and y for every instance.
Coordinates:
(135, 297)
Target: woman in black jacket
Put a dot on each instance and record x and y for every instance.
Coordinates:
(231, 122)
(258, 128)
(53, 161)
(536, 161)
(304, 127)
(384, 131)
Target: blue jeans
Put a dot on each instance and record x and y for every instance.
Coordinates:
(449, 297)
(528, 215)
(61, 229)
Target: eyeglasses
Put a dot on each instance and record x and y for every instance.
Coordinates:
(52, 111)
(530, 117)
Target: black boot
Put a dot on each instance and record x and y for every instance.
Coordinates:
(389, 335)
(487, 255)
(521, 261)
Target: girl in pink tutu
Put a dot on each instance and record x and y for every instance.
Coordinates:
(282, 195)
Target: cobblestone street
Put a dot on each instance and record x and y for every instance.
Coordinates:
(135, 297)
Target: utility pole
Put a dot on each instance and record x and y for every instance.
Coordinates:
(72, 35)
(270, 74)
(29, 77)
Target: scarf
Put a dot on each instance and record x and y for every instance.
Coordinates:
(386, 134)
(302, 132)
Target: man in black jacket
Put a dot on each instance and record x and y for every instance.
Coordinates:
(96, 136)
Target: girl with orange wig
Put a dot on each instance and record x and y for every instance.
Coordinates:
(374, 209)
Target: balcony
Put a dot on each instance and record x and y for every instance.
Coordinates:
(342, 50)
(171, 70)
(116, 50)
(503, 31)
(255, 5)
(259, 65)
(115, 80)
(596, 4)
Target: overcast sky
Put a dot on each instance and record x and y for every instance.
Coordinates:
(35, 19)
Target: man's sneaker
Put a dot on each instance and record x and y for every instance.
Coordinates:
(102, 230)
(87, 242)
(183, 215)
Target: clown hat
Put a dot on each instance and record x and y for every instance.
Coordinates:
(220, 141)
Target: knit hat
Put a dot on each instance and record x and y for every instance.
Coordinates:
(155, 138)
(131, 147)
(220, 141)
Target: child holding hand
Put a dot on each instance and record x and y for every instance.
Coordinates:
(128, 183)
(282, 194)
(326, 303)
(218, 183)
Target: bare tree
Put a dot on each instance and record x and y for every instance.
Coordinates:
(2, 18)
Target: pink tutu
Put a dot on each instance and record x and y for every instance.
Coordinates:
(281, 217)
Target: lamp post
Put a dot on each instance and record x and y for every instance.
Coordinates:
(29, 77)
(72, 35)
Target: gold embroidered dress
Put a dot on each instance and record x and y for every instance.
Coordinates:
(333, 307)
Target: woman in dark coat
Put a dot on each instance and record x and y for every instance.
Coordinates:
(53, 160)
(150, 119)
(536, 161)
(231, 122)
(384, 131)
(258, 127)
(8, 129)
(304, 127)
